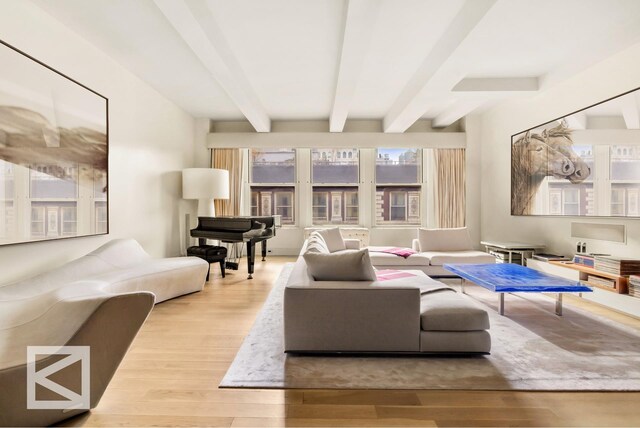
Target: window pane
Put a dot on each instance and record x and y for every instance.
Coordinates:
(335, 205)
(334, 165)
(398, 205)
(54, 181)
(273, 165)
(625, 163)
(274, 201)
(398, 166)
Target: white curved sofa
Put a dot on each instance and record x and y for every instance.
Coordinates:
(99, 300)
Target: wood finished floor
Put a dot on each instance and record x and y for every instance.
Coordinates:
(170, 378)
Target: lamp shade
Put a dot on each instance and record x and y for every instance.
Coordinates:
(205, 183)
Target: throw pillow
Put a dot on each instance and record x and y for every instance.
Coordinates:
(456, 239)
(348, 265)
(316, 244)
(333, 239)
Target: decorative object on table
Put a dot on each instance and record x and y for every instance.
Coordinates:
(53, 153)
(554, 166)
(205, 185)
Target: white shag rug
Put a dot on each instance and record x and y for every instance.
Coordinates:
(532, 349)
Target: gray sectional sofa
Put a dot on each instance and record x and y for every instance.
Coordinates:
(410, 314)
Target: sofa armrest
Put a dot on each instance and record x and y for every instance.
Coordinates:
(352, 244)
(415, 245)
(371, 319)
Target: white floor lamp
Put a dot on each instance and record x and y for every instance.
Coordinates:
(205, 185)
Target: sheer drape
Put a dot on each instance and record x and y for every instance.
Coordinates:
(231, 160)
(450, 200)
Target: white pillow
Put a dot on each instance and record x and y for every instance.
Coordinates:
(316, 244)
(333, 239)
(349, 265)
(456, 239)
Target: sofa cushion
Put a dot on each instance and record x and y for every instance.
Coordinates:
(386, 259)
(333, 239)
(439, 258)
(456, 239)
(449, 311)
(348, 265)
(316, 244)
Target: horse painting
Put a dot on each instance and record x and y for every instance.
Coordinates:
(536, 156)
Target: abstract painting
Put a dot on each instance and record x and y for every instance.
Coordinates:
(53, 153)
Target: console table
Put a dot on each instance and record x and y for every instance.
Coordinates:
(512, 247)
(621, 285)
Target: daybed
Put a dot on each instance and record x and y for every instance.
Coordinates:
(100, 300)
(434, 248)
(409, 314)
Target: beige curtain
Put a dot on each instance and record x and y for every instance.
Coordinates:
(450, 200)
(231, 160)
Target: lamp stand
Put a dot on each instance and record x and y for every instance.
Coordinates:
(206, 208)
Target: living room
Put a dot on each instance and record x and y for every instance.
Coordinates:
(397, 122)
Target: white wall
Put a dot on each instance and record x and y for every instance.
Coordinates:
(151, 140)
(603, 80)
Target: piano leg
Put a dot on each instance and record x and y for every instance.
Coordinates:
(251, 257)
(264, 249)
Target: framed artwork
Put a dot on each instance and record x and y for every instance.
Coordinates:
(54, 153)
(598, 144)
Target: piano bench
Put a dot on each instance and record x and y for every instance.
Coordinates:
(210, 254)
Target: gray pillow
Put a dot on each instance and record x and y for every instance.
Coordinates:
(333, 239)
(348, 265)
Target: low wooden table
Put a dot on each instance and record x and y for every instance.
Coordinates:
(511, 278)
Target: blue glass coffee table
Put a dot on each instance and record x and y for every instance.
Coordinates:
(511, 278)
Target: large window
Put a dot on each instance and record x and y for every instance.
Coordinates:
(335, 176)
(398, 186)
(273, 176)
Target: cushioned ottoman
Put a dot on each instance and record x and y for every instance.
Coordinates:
(210, 254)
(450, 322)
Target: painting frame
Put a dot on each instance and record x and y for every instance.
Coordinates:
(103, 202)
(558, 120)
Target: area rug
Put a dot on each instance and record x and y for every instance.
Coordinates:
(532, 349)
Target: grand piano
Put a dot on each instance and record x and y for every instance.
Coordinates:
(249, 230)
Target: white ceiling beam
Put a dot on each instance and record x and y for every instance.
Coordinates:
(194, 23)
(630, 111)
(409, 106)
(497, 84)
(457, 111)
(577, 120)
(361, 16)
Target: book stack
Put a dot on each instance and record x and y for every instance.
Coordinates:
(602, 282)
(584, 259)
(634, 286)
(617, 265)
